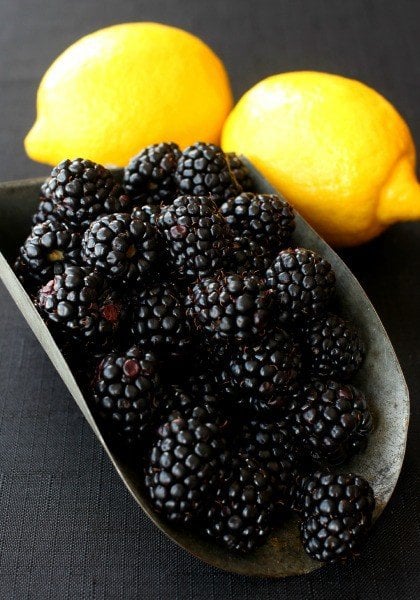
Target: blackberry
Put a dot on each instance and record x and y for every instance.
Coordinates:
(246, 256)
(333, 348)
(159, 322)
(81, 190)
(304, 283)
(266, 374)
(126, 395)
(333, 421)
(240, 172)
(204, 170)
(272, 444)
(337, 515)
(240, 517)
(230, 307)
(264, 219)
(79, 305)
(46, 249)
(197, 236)
(149, 176)
(184, 465)
(124, 248)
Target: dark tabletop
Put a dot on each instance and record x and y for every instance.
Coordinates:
(68, 527)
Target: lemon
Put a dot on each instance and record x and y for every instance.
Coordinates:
(334, 147)
(125, 87)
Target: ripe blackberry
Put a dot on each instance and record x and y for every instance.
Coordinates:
(49, 245)
(204, 170)
(81, 190)
(304, 283)
(126, 395)
(158, 320)
(246, 256)
(240, 516)
(337, 515)
(149, 176)
(264, 219)
(333, 421)
(124, 248)
(240, 172)
(332, 347)
(184, 465)
(79, 305)
(272, 444)
(266, 373)
(197, 236)
(230, 306)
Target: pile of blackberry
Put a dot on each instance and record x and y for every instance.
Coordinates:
(207, 344)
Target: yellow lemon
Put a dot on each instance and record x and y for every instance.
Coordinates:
(334, 147)
(124, 87)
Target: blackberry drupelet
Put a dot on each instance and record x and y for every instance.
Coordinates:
(197, 236)
(126, 395)
(44, 211)
(204, 170)
(264, 219)
(79, 305)
(332, 347)
(240, 172)
(266, 373)
(230, 307)
(122, 247)
(184, 465)
(149, 176)
(337, 515)
(333, 421)
(304, 283)
(240, 516)
(48, 247)
(147, 212)
(159, 322)
(272, 444)
(81, 190)
(246, 256)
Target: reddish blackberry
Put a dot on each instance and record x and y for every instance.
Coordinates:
(241, 515)
(266, 373)
(333, 421)
(197, 236)
(49, 245)
(149, 176)
(124, 248)
(272, 444)
(304, 283)
(240, 172)
(332, 347)
(203, 170)
(159, 322)
(78, 304)
(81, 190)
(337, 515)
(126, 395)
(230, 306)
(264, 219)
(184, 465)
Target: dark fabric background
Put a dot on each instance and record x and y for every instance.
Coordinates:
(68, 527)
